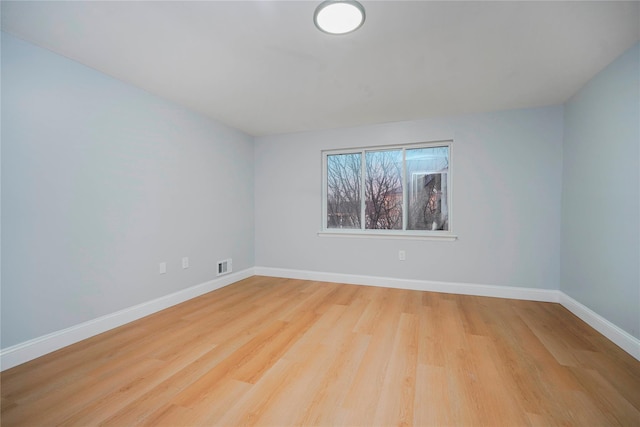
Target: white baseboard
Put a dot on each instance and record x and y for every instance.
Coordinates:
(530, 294)
(622, 339)
(29, 350)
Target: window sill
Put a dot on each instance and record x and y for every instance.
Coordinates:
(371, 234)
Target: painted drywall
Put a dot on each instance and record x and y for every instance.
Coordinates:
(601, 194)
(506, 202)
(101, 182)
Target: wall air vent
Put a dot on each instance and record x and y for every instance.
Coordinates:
(224, 267)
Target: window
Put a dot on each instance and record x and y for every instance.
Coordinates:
(399, 190)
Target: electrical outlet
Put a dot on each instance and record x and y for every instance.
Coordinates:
(402, 255)
(185, 262)
(162, 268)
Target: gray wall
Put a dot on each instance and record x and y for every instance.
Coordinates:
(101, 182)
(507, 169)
(601, 194)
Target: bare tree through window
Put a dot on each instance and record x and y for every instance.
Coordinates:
(383, 190)
(344, 190)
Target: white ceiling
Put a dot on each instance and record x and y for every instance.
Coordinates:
(262, 66)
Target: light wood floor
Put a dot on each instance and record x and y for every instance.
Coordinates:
(279, 352)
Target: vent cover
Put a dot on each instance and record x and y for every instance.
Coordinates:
(224, 267)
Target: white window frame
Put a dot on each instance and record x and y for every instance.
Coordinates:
(446, 235)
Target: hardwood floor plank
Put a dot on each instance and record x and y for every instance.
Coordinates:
(326, 403)
(612, 405)
(516, 351)
(363, 397)
(175, 378)
(430, 351)
(432, 390)
(279, 393)
(627, 379)
(273, 346)
(61, 367)
(267, 351)
(143, 385)
(56, 407)
(398, 389)
(498, 405)
(471, 311)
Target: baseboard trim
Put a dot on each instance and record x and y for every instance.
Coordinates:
(32, 349)
(530, 294)
(613, 333)
(621, 338)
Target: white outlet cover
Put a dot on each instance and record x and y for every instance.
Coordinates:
(162, 268)
(185, 262)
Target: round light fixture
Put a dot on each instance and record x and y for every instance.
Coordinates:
(339, 16)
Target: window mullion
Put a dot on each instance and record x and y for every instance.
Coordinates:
(363, 166)
(405, 203)
(325, 192)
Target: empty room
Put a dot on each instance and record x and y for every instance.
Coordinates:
(320, 213)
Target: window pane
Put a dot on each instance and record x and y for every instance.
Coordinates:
(427, 171)
(383, 190)
(343, 190)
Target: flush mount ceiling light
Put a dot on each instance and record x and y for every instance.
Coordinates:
(339, 16)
